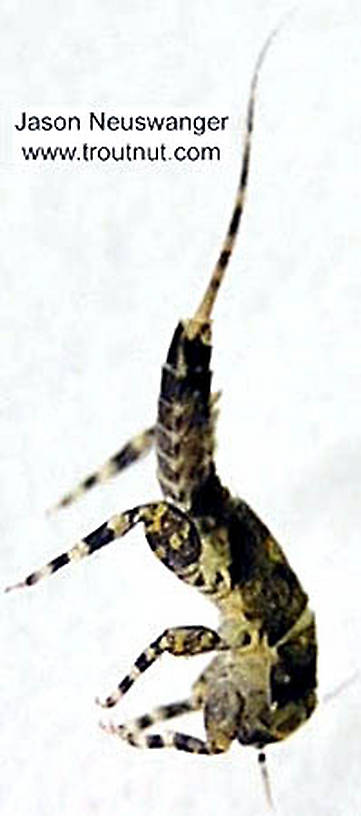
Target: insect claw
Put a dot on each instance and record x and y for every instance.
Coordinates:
(51, 510)
(101, 703)
(109, 728)
(20, 585)
(109, 702)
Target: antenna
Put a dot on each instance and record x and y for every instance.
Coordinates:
(266, 780)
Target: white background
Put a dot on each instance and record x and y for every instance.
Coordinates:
(98, 263)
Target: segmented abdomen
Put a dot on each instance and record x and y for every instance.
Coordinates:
(184, 432)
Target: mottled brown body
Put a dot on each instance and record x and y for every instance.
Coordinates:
(270, 662)
(184, 435)
(260, 686)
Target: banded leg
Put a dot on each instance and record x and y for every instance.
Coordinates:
(171, 534)
(170, 739)
(178, 641)
(135, 449)
(132, 731)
